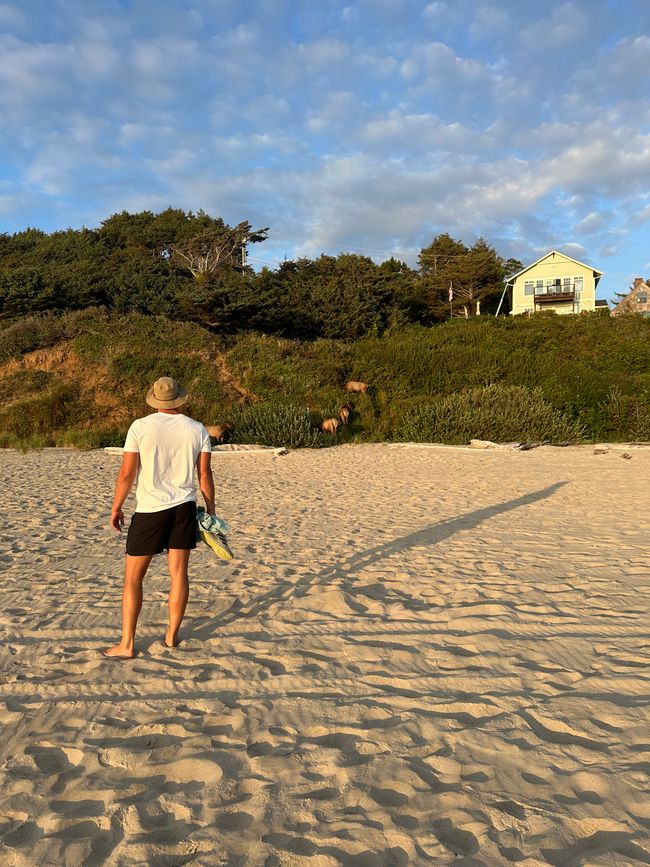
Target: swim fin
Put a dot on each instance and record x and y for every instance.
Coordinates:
(209, 530)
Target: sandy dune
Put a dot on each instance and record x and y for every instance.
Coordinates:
(420, 656)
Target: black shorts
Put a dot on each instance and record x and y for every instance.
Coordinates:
(152, 532)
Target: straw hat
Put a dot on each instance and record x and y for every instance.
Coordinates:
(166, 393)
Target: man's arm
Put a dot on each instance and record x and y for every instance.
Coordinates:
(125, 479)
(206, 482)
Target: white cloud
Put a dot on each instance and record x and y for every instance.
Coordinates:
(323, 52)
(577, 251)
(641, 215)
(593, 222)
(433, 10)
(489, 22)
(403, 133)
(566, 24)
(340, 110)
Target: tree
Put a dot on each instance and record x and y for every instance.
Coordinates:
(24, 291)
(408, 303)
(228, 301)
(214, 249)
(128, 263)
(460, 280)
(440, 254)
(341, 297)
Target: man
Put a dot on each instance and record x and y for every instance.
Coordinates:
(161, 452)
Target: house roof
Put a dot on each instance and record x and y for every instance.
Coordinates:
(545, 256)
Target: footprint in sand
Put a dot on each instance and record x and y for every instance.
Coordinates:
(54, 760)
(22, 834)
(391, 796)
(512, 808)
(456, 840)
(232, 822)
(327, 793)
(85, 808)
(590, 787)
(447, 770)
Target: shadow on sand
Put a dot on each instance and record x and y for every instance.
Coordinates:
(204, 628)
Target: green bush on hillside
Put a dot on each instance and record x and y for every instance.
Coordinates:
(40, 331)
(593, 371)
(43, 414)
(627, 412)
(576, 361)
(276, 424)
(501, 413)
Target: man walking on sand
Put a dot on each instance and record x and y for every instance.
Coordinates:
(161, 452)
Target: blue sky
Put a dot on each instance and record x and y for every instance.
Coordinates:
(367, 126)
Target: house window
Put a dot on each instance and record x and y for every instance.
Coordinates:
(566, 284)
(642, 297)
(539, 287)
(528, 287)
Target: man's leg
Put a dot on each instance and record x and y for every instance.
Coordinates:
(134, 572)
(177, 558)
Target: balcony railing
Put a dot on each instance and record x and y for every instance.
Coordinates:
(555, 294)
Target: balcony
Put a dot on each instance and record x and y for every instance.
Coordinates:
(554, 294)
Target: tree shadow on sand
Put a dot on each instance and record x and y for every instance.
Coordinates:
(203, 628)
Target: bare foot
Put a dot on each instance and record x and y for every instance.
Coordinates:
(118, 652)
(171, 640)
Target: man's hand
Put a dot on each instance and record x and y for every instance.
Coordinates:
(117, 520)
(125, 479)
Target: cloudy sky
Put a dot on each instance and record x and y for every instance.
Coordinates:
(366, 125)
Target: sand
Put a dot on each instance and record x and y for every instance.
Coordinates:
(419, 656)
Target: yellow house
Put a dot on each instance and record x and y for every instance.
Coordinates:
(555, 282)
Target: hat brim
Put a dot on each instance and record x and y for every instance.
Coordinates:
(175, 402)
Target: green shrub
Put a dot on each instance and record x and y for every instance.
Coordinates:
(26, 382)
(627, 412)
(276, 425)
(269, 367)
(24, 444)
(40, 331)
(91, 439)
(500, 413)
(45, 414)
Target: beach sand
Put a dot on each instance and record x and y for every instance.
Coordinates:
(419, 656)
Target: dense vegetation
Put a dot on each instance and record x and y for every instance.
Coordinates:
(80, 377)
(192, 267)
(88, 318)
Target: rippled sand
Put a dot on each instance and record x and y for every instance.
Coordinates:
(419, 656)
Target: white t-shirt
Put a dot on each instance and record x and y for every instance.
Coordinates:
(169, 446)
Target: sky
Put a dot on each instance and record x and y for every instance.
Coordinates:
(367, 126)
